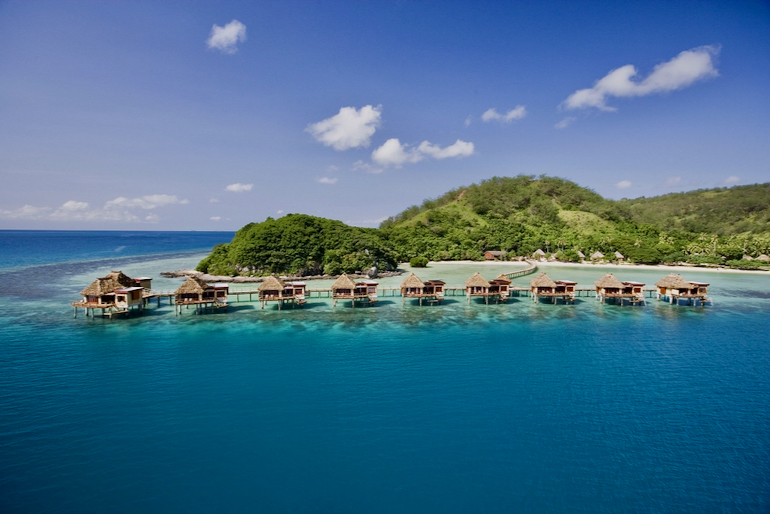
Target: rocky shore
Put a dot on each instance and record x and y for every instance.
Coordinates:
(373, 273)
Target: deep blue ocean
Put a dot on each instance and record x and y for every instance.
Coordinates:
(517, 407)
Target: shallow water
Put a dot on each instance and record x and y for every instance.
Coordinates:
(452, 408)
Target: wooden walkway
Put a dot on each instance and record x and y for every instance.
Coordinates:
(395, 292)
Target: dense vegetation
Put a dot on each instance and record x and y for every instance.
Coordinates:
(519, 215)
(525, 213)
(302, 245)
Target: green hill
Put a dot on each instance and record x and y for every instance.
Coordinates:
(517, 214)
(300, 244)
(524, 213)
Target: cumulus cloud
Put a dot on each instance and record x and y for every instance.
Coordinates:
(225, 39)
(350, 128)
(623, 184)
(327, 180)
(566, 122)
(394, 153)
(119, 209)
(683, 70)
(239, 188)
(514, 114)
(731, 180)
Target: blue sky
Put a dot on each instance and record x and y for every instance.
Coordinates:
(210, 115)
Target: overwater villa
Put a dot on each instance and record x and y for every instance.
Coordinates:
(200, 295)
(413, 287)
(273, 289)
(673, 288)
(113, 294)
(542, 285)
(610, 287)
(500, 286)
(477, 285)
(345, 288)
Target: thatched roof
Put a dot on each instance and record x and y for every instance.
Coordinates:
(344, 282)
(107, 284)
(412, 281)
(763, 258)
(581, 254)
(539, 252)
(271, 283)
(610, 281)
(597, 255)
(673, 281)
(619, 255)
(121, 278)
(101, 286)
(476, 280)
(503, 278)
(542, 280)
(496, 253)
(192, 285)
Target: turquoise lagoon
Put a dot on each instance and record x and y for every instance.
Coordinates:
(392, 408)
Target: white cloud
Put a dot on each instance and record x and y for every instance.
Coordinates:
(367, 167)
(118, 209)
(350, 128)
(458, 149)
(729, 181)
(226, 38)
(514, 114)
(144, 202)
(681, 71)
(393, 153)
(239, 188)
(566, 122)
(215, 218)
(27, 212)
(623, 184)
(279, 211)
(73, 205)
(468, 121)
(327, 180)
(214, 200)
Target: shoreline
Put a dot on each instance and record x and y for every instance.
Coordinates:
(652, 267)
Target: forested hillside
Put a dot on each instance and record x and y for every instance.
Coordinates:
(519, 215)
(525, 213)
(302, 245)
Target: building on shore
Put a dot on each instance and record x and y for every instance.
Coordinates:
(345, 288)
(539, 255)
(674, 288)
(273, 289)
(610, 287)
(619, 257)
(597, 257)
(197, 293)
(581, 255)
(543, 286)
(763, 258)
(113, 294)
(494, 255)
(413, 287)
